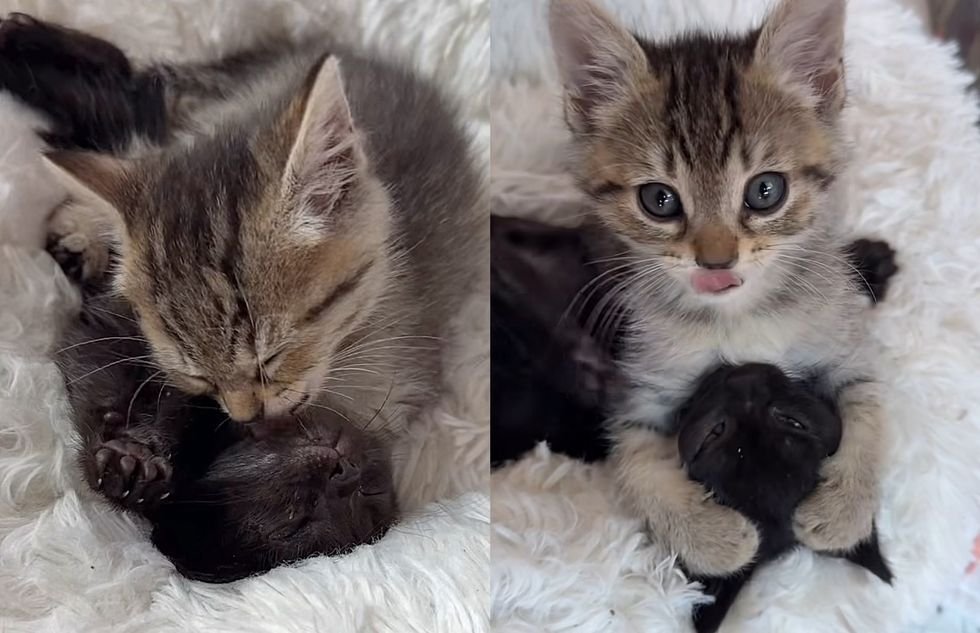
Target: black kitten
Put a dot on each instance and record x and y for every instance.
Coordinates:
(225, 501)
(551, 379)
(756, 440)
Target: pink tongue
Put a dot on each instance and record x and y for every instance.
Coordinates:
(714, 280)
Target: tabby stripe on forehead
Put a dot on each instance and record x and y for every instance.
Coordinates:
(734, 122)
(175, 324)
(674, 102)
(229, 260)
(342, 289)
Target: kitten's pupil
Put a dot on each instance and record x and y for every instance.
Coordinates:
(660, 201)
(765, 192)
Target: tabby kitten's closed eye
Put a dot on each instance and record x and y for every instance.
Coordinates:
(302, 242)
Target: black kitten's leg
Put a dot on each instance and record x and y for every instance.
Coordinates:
(875, 263)
(708, 618)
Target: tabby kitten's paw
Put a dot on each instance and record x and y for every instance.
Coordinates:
(837, 516)
(130, 473)
(76, 244)
(714, 541)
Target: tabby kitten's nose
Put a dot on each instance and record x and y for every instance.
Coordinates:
(242, 406)
(716, 263)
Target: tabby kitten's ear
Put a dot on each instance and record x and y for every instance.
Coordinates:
(803, 41)
(95, 178)
(322, 174)
(597, 58)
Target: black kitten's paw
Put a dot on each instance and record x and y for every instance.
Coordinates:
(130, 473)
(875, 262)
(74, 242)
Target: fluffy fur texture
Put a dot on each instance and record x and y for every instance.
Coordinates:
(591, 566)
(68, 563)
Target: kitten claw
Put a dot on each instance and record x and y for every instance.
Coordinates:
(128, 472)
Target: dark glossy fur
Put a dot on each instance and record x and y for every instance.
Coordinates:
(226, 501)
(93, 97)
(756, 440)
(551, 381)
(549, 377)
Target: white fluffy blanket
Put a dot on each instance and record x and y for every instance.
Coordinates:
(565, 558)
(68, 563)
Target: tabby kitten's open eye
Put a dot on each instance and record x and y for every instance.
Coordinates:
(765, 192)
(660, 201)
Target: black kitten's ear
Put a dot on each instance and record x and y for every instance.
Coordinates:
(868, 554)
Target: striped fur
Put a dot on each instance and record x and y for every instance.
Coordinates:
(298, 239)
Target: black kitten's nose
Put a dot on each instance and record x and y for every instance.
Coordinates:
(346, 477)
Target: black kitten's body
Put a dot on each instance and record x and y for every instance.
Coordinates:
(225, 501)
(756, 440)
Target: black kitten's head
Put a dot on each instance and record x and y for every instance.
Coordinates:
(107, 368)
(243, 499)
(290, 489)
(756, 439)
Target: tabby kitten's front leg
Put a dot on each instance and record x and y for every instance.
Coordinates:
(840, 513)
(711, 539)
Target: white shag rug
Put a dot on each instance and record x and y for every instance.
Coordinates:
(68, 563)
(564, 557)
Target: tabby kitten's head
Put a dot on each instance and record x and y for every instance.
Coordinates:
(250, 255)
(711, 157)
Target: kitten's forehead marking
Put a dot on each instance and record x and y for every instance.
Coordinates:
(701, 120)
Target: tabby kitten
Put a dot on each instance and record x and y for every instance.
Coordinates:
(305, 234)
(713, 161)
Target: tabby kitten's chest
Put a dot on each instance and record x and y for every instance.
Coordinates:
(664, 363)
